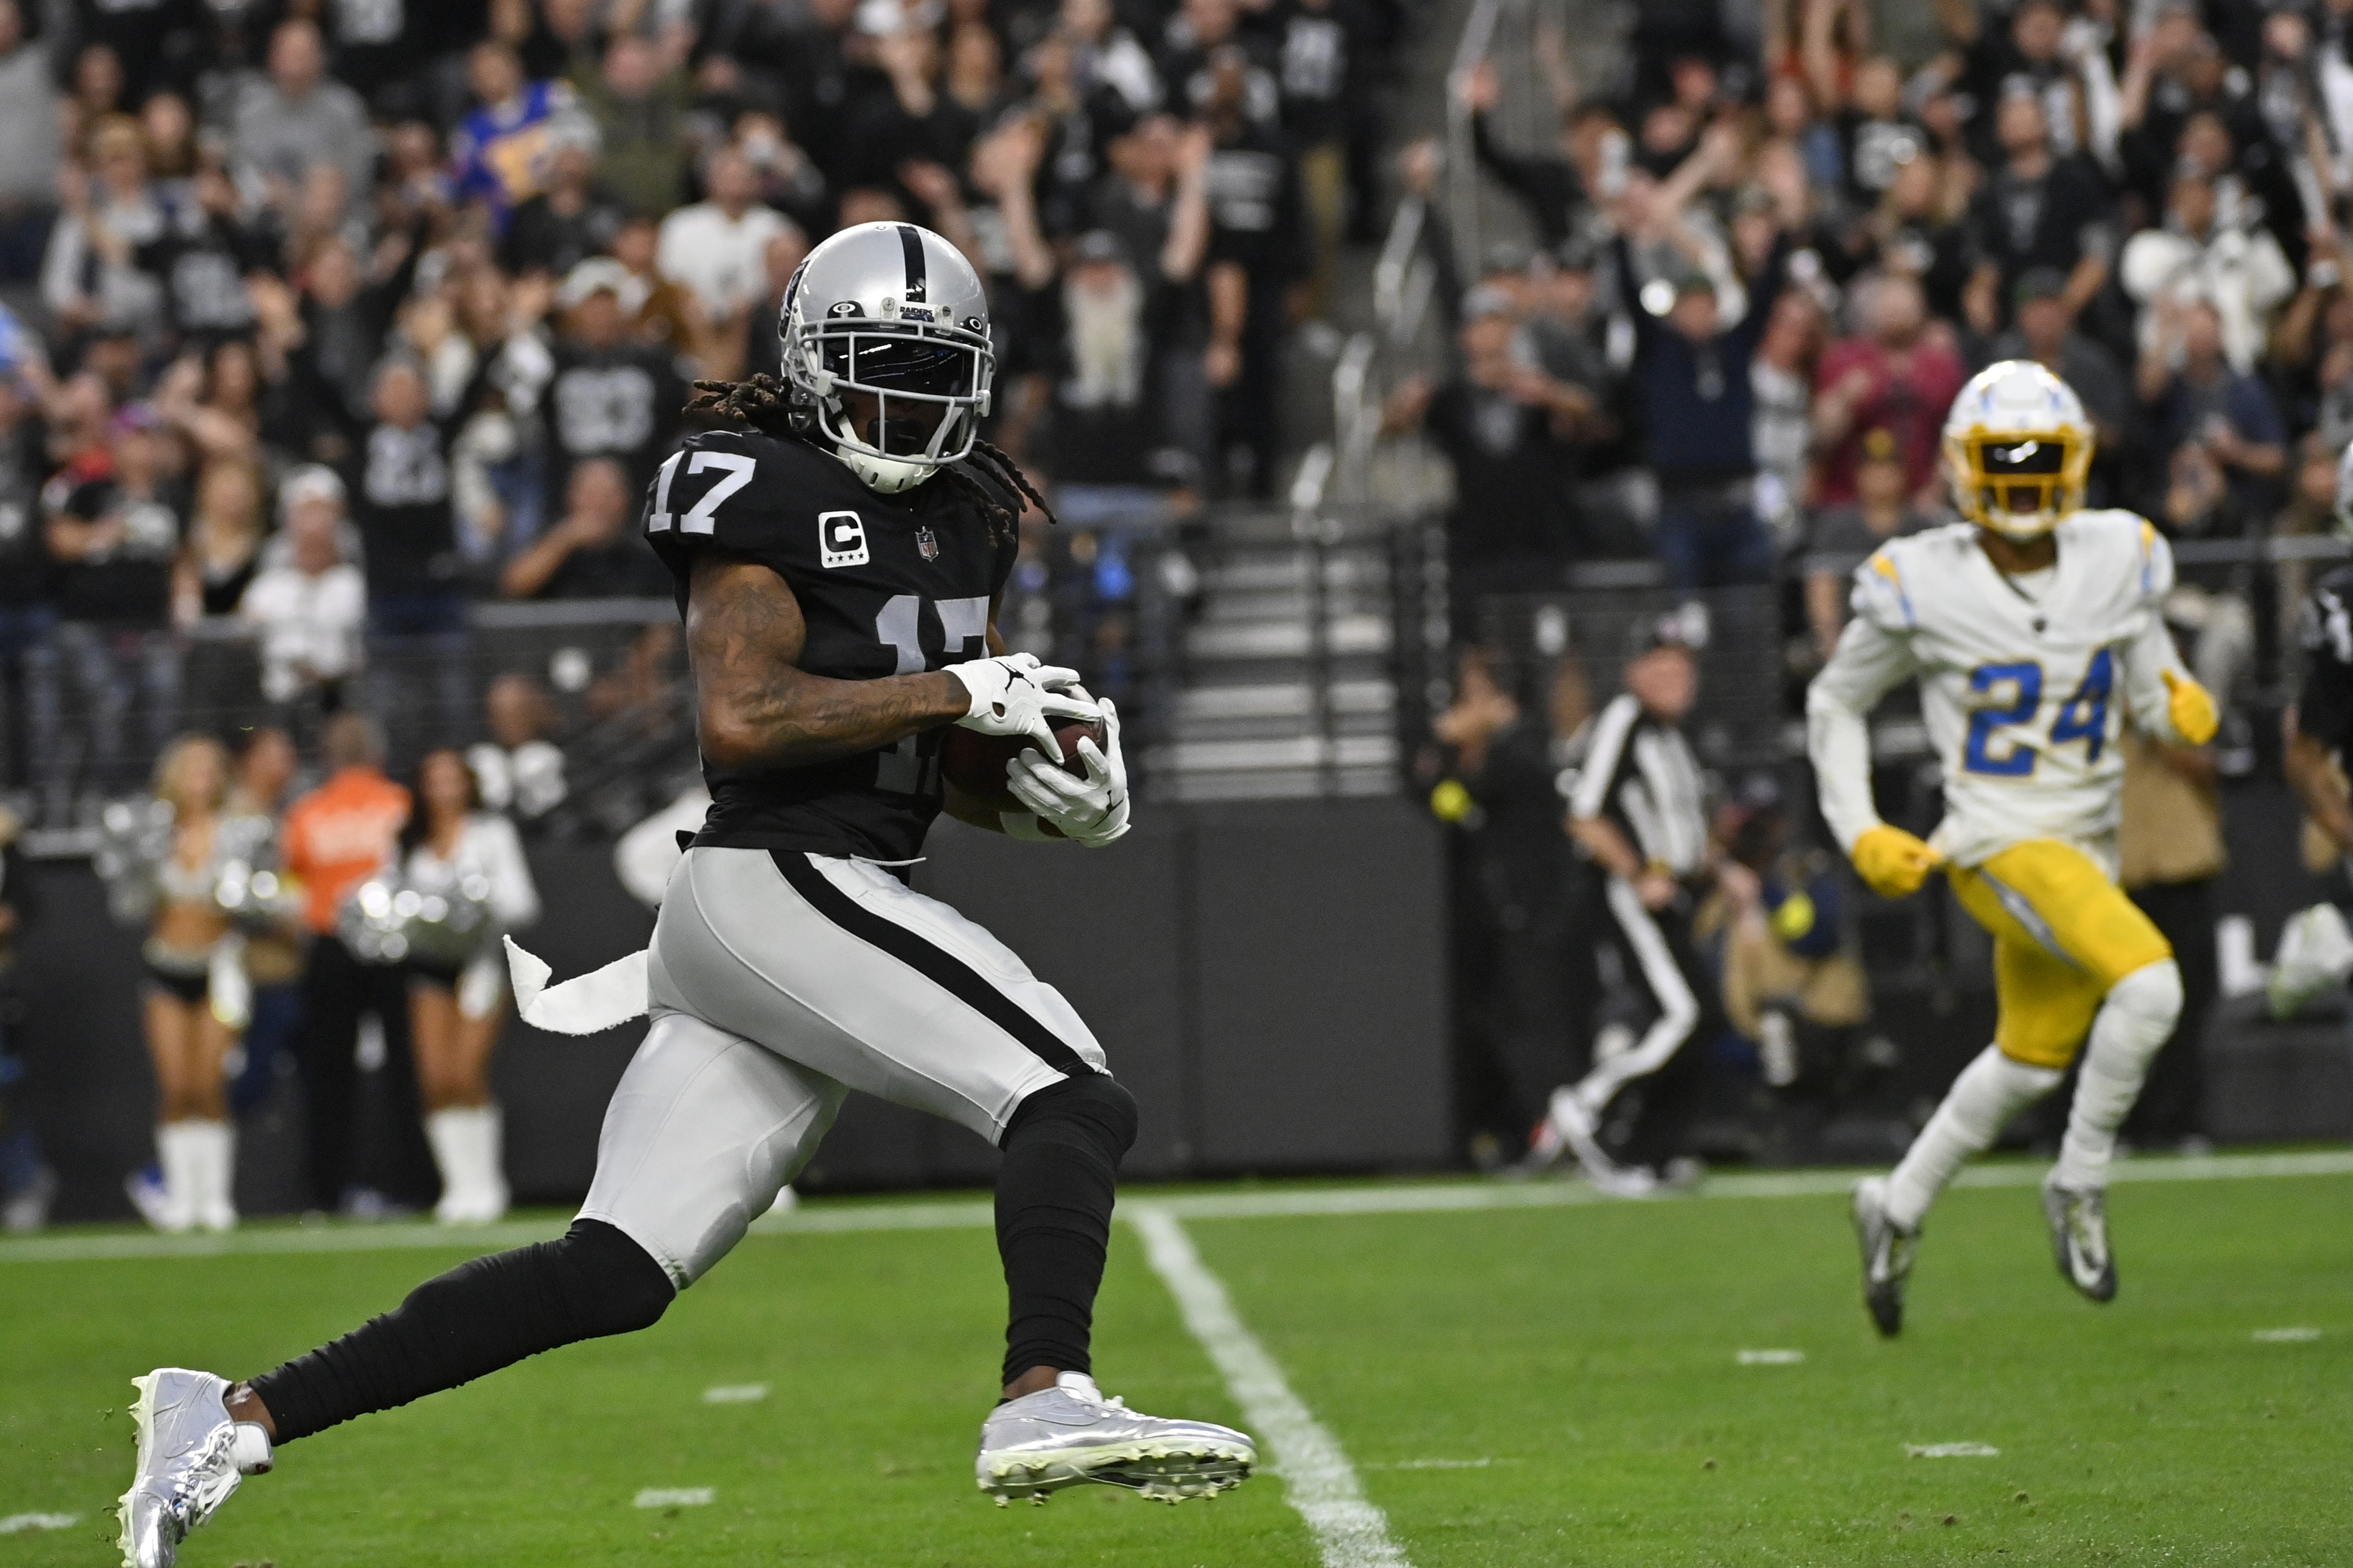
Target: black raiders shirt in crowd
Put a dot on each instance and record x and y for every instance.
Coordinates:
(2324, 709)
(621, 402)
(403, 509)
(202, 259)
(127, 582)
(896, 585)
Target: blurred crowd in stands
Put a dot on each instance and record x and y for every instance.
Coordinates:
(1767, 254)
(328, 323)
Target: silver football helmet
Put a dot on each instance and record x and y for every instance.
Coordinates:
(885, 334)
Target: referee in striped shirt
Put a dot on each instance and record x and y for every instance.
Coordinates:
(1639, 810)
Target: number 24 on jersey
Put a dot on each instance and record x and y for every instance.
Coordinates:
(2083, 716)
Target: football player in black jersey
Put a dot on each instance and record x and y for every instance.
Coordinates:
(2316, 945)
(839, 543)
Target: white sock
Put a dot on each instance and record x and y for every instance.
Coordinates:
(494, 1161)
(178, 1153)
(1989, 1091)
(468, 1145)
(213, 1145)
(446, 1131)
(2134, 1024)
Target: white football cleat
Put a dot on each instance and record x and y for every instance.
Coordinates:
(1069, 1434)
(2079, 1237)
(192, 1455)
(1887, 1249)
(2315, 953)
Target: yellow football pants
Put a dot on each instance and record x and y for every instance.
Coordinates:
(2062, 935)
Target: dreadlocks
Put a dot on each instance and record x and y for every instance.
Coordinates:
(764, 404)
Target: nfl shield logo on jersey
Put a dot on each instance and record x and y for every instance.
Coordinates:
(927, 542)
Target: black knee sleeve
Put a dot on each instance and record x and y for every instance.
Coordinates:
(477, 1317)
(1094, 1107)
(1054, 1196)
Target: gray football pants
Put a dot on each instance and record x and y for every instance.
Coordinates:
(778, 981)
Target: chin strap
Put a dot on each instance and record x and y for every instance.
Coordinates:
(885, 475)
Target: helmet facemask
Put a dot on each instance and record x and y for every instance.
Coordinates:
(2020, 484)
(898, 399)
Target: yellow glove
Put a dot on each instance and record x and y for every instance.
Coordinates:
(1893, 861)
(2191, 709)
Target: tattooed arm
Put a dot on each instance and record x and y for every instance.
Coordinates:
(756, 708)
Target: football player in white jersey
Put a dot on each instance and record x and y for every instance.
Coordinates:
(2033, 630)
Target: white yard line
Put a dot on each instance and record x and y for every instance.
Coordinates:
(1317, 1478)
(825, 1218)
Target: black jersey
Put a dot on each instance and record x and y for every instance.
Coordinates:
(2325, 709)
(888, 586)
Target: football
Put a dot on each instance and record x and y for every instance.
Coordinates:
(973, 764)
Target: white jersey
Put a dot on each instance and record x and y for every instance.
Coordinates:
(2024, 682)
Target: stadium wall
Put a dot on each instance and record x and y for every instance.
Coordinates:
(1269, 979)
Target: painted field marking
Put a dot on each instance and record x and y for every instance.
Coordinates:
(21, 1521)
(1317, 1478)
(736, 1394)
(2298, 1336)
(852, 1216)
(1952, 1450)
(1440, 1465)
(678, 1497)
(1771, 1358)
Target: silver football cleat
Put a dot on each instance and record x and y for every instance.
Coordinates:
(192, 1455)
(2079, 1236)
(1069, 1434)
(1886, 1256)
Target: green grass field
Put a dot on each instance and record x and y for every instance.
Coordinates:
(1524, 1386)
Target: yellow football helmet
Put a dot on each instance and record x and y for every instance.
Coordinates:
(2017, 446)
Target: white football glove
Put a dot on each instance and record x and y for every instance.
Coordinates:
(1092, 810)
(1015, 695)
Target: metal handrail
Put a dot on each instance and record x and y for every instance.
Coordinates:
(1402, 281)
(1398, 254)
(2272, 550)
(1462, 188)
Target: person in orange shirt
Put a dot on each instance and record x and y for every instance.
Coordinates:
(336, 837)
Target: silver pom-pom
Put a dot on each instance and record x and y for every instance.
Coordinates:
(441, 921)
